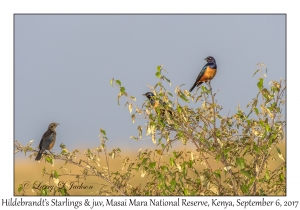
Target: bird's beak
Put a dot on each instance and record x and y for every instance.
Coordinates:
(205, 59)
(144, 94)
(57, 123)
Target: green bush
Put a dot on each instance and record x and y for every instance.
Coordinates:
(241, 145)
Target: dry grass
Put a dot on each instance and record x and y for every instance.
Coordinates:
(29, 171)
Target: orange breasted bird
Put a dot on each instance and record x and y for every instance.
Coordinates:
(48, 140)
(207, 73)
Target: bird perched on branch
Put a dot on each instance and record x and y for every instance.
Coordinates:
(207, 73)
(155, 103)
(48, 140)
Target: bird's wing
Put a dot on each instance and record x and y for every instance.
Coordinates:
(201, 72)
(46, 139)
(41, 143)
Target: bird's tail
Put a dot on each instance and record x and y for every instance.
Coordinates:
(196, 84)
(39, 156)
(192, 88)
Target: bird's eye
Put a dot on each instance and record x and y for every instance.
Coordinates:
(209, 58)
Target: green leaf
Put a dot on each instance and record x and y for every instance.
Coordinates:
(191, 162)
(281, 177)
(193, 192)
(167, 79)
(49, 159)
(217, 174)
(183, 97)
(152, 165)
(56, 175)
(158, 151)
(44, 191)
(246, 173)
(267, 175)
(63, 191)
(227, 150)
(177, 154)
(256, 148)
(88, 152)
(278, 150)
(260, 83)
(218, 157)
(279, 154)
(20, 188)
(256, 72)
(245, 188)
(119, 82)
(246, 149)
(264, 148)
(256, 111)
(158, 68)
(111, 82)
(240, 162)
(172, 163)
(144, 161)
(173, 184)
(62, 146)
(186, 191)
(103, 131)
(179, 109)
(262, 192)
(158, 75)
(122, 89)
(254, 104)
(262, 123)
(170, 94)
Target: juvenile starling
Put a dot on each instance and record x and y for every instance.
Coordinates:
(48, 140)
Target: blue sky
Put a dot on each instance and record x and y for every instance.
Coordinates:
(64, 63)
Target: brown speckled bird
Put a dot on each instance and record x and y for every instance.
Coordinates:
(48, 140)
(156, 103)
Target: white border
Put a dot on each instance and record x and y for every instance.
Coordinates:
(8, 8)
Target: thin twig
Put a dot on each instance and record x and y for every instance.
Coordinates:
(224, 161)
(171, 141)
(91, 169)
(107, 163)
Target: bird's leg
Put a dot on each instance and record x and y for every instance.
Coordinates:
(208, 83)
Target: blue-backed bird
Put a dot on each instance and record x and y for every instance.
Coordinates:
(48, 140)
(207, 73)
(155, 103)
